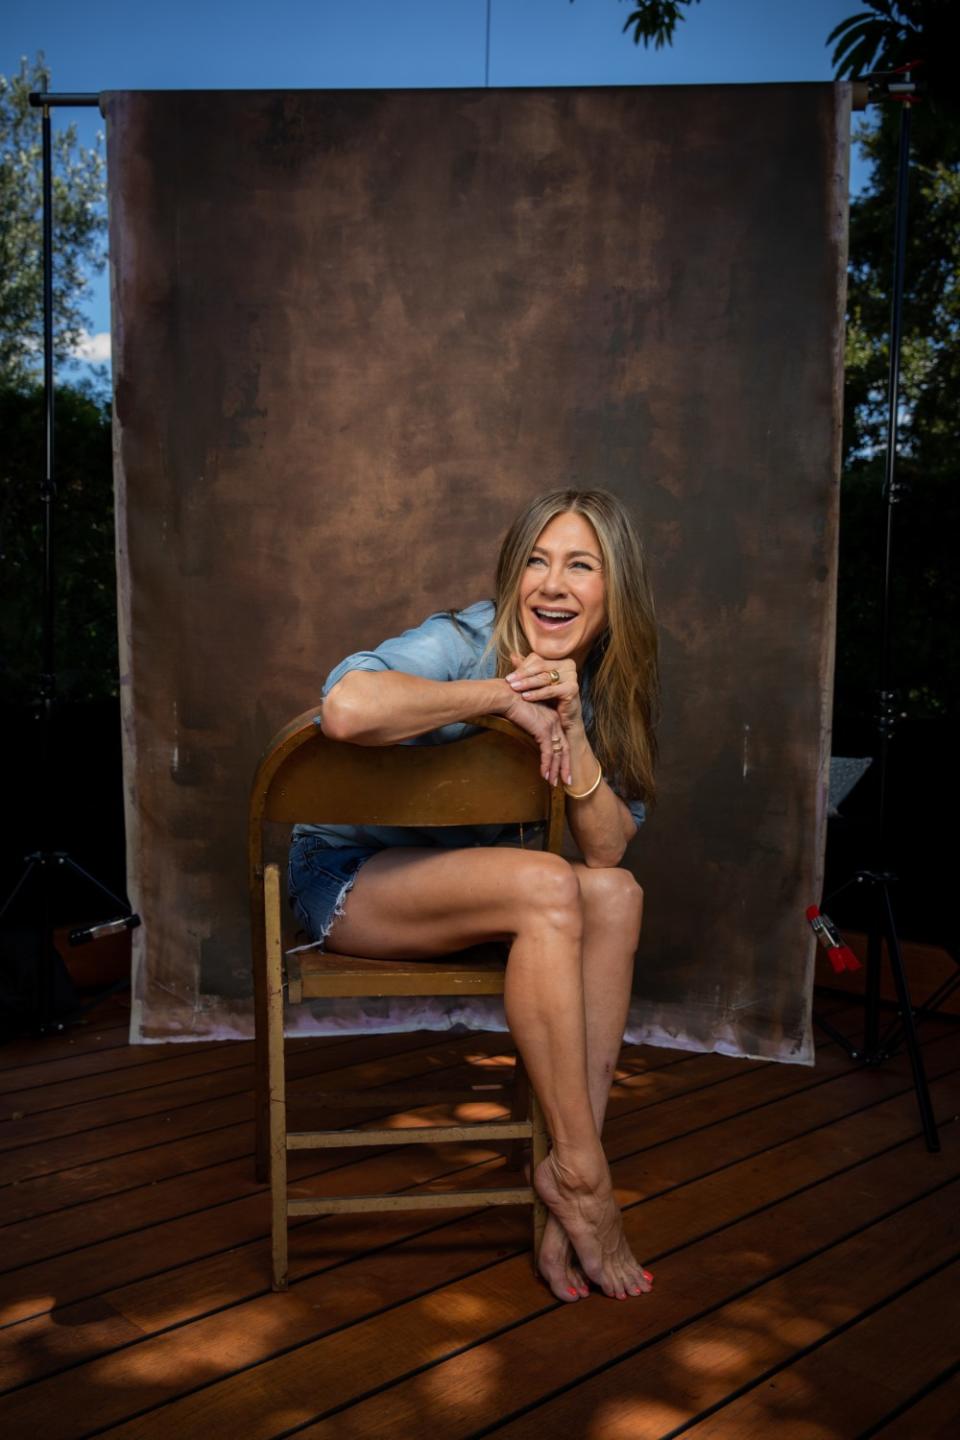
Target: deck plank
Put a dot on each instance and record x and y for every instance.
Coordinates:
(234, 1222)
(240, 1332)
(224, 1073)
(44, 1185)
(320, 1375)
(106, 1026)
(699, 1275)
(211, 1282)
(186, 1108)
(66, 1276)
(852, 1382)
(934, 1416)
(157, 1318)
(153, 1066)
(56, 1190)
(222, 1201)
(53, 1072)
(673, 1382)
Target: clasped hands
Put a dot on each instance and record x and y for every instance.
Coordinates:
(556, 724)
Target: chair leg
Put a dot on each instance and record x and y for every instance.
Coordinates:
(519, 1110)
(526, 1106)
(261, 1062)
(540, 1147)
(261, 1094)
(278, 1098)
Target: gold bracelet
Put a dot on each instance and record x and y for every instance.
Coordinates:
(582, 794)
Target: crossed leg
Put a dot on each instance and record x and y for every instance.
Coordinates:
(612, 913)
(412, 903)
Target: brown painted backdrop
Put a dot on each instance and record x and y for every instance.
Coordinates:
(354, 331)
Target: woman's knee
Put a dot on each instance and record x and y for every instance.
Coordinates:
(546, 890)
(611, 895)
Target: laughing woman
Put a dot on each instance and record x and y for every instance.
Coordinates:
(568, 652)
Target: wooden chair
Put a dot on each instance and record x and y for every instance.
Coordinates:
(491, 777)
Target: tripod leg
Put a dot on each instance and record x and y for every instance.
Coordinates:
(909, 1027)
(46, 932)
(891, 1041)
(31, 863)
(97, 884)
(871, 1030)
(836, 1037)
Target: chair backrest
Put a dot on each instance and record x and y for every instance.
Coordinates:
(492, 777)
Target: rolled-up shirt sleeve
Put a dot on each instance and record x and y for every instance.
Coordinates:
(636, 807)
(438, 649)
(638, 810)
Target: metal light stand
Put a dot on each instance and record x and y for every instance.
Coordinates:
(876, 1047)
(41, 864)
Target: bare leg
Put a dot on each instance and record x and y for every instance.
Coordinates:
(612, 910)
(416, 903)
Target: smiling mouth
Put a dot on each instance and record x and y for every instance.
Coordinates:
(551, 619)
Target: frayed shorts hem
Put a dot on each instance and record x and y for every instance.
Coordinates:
(320, 878)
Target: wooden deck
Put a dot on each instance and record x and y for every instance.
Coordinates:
(804, 1242)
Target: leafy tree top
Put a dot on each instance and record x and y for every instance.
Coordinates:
(79, 226)
(890, 34)
(656, 21)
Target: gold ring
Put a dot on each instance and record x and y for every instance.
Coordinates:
(554, 677)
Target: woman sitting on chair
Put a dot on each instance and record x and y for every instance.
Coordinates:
(568, 652)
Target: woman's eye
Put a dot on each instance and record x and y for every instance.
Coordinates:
(535, 560)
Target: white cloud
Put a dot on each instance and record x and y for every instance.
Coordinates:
(95, 348)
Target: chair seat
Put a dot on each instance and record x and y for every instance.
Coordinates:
(322, 974)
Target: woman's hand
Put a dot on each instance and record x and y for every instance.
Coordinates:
(553, 724)
(543, 723)
(531, 678)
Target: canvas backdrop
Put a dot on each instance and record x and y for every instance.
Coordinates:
(353, 333)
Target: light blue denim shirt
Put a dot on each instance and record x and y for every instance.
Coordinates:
(440, 649)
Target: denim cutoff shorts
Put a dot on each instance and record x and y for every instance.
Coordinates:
(319, 879)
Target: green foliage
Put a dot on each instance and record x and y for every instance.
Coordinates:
(926, 594)
(656, 20)
(78, 192)
(86, 630)
(86, 625)
(893, 33)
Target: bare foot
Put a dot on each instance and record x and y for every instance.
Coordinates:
(557, 1263)
(556, 1258)
(588, 1213)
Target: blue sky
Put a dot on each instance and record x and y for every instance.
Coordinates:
(94, 45)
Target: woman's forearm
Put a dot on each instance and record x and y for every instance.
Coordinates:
(601, 823)
(383, 707)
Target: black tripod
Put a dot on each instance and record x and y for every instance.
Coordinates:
(882, 927)
(41, 866)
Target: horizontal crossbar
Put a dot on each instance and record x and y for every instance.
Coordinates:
(326, 987)
(519, 1195)
(378, 1099)
(418, 1135)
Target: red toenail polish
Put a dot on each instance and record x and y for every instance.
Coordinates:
(647, 1275)
(570, 1290)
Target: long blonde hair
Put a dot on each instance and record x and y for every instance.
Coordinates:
(625, 686)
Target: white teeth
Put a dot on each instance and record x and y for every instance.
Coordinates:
(555, 614)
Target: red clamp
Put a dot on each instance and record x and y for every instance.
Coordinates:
(840, 955)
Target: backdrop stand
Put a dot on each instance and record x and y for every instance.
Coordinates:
(44, 864)
(882, 926)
